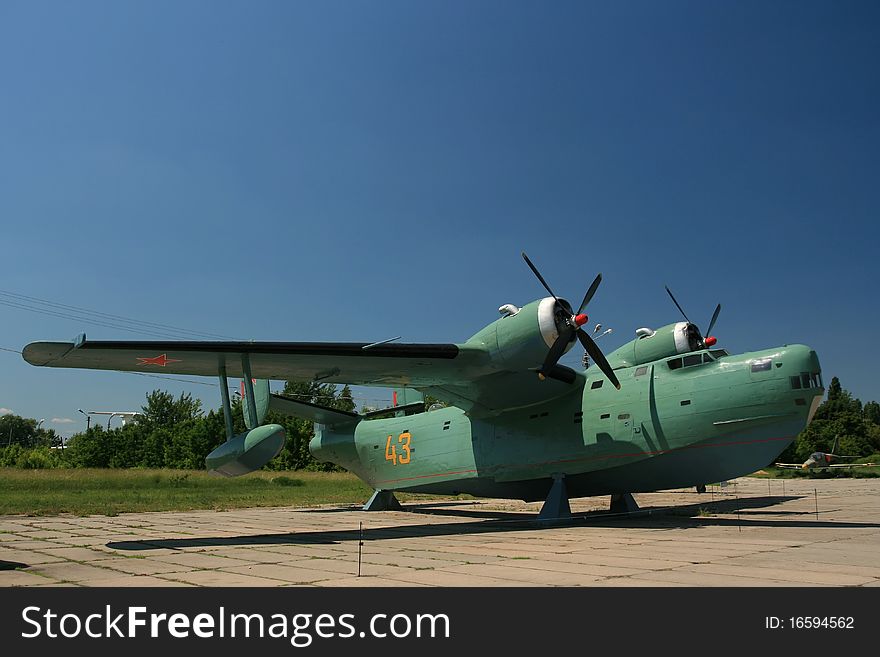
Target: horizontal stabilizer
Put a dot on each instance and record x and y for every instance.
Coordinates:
(319, 414)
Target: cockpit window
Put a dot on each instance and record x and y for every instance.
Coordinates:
(689, 361)
(719, 353)
(762, 365)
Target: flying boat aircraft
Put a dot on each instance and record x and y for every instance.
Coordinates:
(667, 409)
(821, 461)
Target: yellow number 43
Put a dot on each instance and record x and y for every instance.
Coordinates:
(391, 450)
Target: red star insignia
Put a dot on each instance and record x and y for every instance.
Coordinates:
(162, 360)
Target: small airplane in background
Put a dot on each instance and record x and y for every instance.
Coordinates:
(823, 461)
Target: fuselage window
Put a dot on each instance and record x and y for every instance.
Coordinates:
(623, 416)
(641, 371)
(761, 365)
(796, 382)
(597, 384)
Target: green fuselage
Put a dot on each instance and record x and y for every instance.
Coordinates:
(666, 427)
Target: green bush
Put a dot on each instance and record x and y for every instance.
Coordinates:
(38, 458)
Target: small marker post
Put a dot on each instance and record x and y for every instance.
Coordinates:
(816, 495)
(738, 521)
(360, 545)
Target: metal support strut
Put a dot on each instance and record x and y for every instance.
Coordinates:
(249, 390)
(556, 505)
(383, 500)
(227, 408)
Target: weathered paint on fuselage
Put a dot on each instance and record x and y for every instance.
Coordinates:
(665, 428)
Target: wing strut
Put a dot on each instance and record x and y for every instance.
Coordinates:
(227, 408)
(249, 390)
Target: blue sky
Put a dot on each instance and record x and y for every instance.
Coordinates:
(360, 170)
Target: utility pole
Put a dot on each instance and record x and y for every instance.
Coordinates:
(88, 418)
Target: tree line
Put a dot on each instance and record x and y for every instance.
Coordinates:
(171, 433)
(177, 433)
(840, 416)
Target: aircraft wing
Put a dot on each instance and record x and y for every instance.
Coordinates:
(789, 466)
(331, 362)
(462, 375)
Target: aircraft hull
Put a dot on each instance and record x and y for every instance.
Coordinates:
(664, 429)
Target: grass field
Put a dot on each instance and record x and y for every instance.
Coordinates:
(109, 492)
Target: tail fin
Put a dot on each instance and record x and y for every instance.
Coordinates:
(261, 401)
(836, 444)
(404, 396)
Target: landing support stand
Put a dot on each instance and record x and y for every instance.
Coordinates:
(383, 500)
(623, 503)
(556, 505)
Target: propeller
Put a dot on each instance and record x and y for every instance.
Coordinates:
(709, 340)
(569, 324)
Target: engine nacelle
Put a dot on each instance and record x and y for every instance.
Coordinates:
(521, 340)
(670, 340)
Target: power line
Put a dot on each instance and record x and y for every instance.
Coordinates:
(86, 320)
(170, 378)
(66, 311)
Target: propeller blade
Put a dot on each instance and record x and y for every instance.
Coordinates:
(556, 351)
(589, 294)
(538, 274)
(597, 356)
(714, 317)
(561, 373)
(671, 296)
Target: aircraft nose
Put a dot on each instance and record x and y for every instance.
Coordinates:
(802, 363)
(801, 378)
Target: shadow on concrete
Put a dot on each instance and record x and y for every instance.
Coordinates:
(409, 506)
(482, 522)
(12, 565)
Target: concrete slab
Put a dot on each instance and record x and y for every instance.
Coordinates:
(22, 578)
(287, 574)
(219, 578)
(737, 536)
